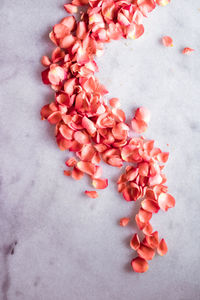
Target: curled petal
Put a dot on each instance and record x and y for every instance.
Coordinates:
(153, 180)
(60, 31)
(91, 194)
(124, 222)
(166, 201)
(162, 248)
(142, 114)
(147, 230)
(66, 132)
(140, 224)
(187, 50)
(45, 61)
(71, 162)
(135, 242)
(150, 205)
(167, 41)
(89, 126)
(139, 265)
(146, 252)
(143, 169)
(152, 240)
(100, 183)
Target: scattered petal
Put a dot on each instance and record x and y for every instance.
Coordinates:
(135, 242)
(162, 248)
(99, 183)
(124, 222)
(92, 194)
(139, 265)
(167, 41)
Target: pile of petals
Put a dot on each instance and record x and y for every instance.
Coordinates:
(92, 129)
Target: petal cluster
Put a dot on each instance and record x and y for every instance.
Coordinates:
(93, 130)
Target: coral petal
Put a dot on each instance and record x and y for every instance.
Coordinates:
(91, 194)
(162, 248)
(139, 265)
(124, 222)
(167, 41)
(146, 252)
(135, 242)
(99, 183)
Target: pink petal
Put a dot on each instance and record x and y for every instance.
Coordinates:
(166, 201)
(142, 114)
(45, 61)
(138, 126)
(167, 41)
(89, 126)
(71, 162)
(144, 215)
(162, 2)
(124, 222)
(187, 50)
(69, 86)
(152, 240)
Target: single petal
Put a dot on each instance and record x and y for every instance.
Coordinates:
(142, 114)
(162, 248)
(138, 126)
(45, 61)
(86, 167)
(100, 183)
(91, 194)
(139, 265)
(114, 102)
(166, 201)
(71, 162)
(135, 242)
(70, 8)
(124, 222)
(150, 205)
(187, 50)
(54, 118)
(167, 41)
(162, 2)
(144, 215)
(67, 173)
(81, 137)
(148, 229)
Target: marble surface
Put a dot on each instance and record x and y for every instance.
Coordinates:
(56, 244)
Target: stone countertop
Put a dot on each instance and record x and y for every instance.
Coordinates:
(70, 246)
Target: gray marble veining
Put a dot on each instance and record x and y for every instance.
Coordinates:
(55, 243)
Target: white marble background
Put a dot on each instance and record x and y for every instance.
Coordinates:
(70, 246)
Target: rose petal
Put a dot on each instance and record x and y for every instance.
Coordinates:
(124, 222)
(150, 205)
(146, 252)
(100, 183)
(91, 194)
(135, 242)
(187, 50)
(139, 265)
(166, 201)
(167, 41)
(162, 248)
